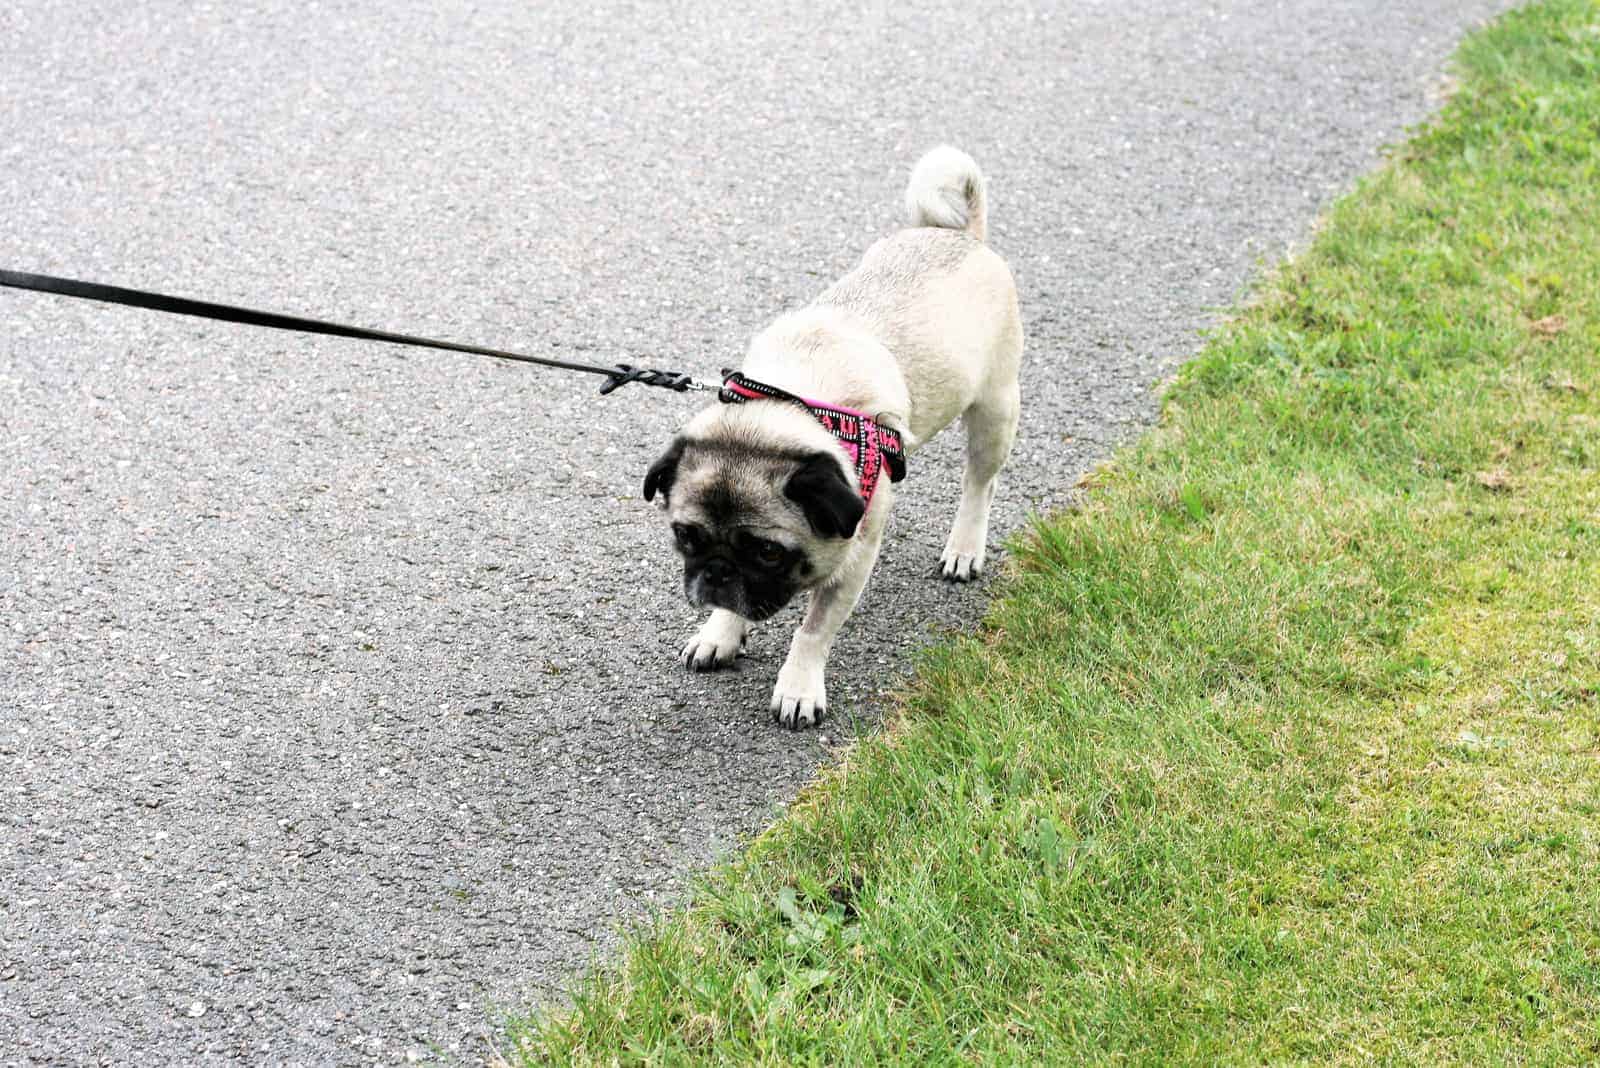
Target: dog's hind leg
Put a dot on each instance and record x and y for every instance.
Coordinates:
(718, 642)
(991, 425)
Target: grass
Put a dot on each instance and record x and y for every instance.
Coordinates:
(1284, 747)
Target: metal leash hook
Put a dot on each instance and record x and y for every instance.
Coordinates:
(624, 373)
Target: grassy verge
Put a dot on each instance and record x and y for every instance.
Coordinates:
(1287, 745)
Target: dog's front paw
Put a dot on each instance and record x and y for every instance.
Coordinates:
(957, 565)
(962, 559)
(799, 699)
(717, 644)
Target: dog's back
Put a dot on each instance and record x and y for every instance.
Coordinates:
(938, 298)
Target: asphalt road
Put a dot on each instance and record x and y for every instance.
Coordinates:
(338, 706)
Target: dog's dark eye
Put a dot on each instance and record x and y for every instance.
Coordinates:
(689, 537)
(770, 553)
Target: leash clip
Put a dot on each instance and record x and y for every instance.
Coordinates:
(623, 373)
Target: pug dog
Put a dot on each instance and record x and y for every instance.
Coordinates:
(780, 488)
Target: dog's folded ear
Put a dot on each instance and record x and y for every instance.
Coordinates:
(660, 477)
(831, 504)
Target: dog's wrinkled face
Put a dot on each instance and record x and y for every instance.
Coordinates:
(754, 525)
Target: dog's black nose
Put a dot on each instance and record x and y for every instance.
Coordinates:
(720, 572)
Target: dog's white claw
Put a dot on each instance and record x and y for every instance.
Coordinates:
(961, 567)
(799, 699)
(796, 712)
(717, 644)
(707, 656)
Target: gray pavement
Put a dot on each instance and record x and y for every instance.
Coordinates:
(338, 709)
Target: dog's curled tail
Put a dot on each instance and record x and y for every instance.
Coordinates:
(947, 190)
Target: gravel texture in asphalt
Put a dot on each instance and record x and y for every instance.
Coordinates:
(338, 703)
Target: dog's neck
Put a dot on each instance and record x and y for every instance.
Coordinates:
(829, 355)
(873, 446)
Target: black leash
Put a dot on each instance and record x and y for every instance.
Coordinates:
(617, 375)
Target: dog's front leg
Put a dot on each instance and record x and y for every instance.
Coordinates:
(800, 698)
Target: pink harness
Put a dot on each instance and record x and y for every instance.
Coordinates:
(870, 445)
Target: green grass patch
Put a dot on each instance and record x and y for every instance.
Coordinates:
(1284, 746)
